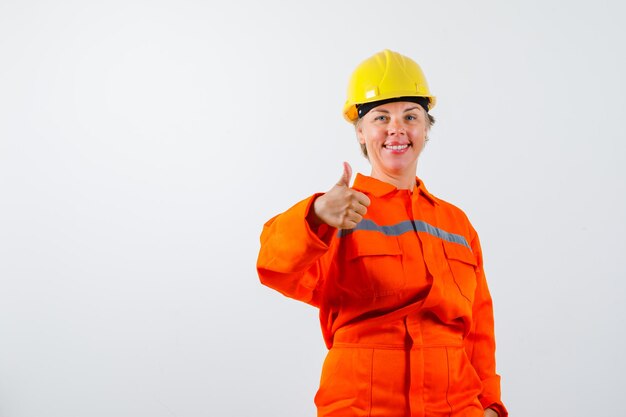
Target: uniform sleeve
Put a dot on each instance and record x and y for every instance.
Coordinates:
(291, 255)
(480, 343)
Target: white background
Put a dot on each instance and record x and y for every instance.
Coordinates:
(144, 143)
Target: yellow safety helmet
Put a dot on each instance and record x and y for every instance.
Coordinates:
(384, 76)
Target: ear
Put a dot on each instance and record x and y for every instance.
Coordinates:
(359, 134)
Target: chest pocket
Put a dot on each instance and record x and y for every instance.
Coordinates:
(374, 266)
(463, 265)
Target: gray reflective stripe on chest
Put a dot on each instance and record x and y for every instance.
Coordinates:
(406, 226)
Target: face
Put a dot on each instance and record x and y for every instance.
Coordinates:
(394, 135)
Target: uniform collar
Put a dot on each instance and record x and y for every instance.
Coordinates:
(379, 188)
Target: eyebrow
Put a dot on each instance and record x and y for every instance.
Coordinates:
(387, 111)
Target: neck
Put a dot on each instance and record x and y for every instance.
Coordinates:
(403, 181)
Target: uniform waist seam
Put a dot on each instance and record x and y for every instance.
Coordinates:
(346, 345)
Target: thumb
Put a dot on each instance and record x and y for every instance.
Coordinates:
(346, 175)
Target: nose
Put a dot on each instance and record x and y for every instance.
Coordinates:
(396, 127)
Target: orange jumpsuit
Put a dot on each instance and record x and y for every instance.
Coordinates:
(404, 305)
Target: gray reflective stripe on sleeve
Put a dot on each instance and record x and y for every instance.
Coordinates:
(406, 226)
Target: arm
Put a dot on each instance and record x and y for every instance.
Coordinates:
(295, 245)
(480, 343)
(291, 250)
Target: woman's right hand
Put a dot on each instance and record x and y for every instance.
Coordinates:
(341, 207)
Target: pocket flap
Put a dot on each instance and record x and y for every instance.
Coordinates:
(375, 245)
(459, 252)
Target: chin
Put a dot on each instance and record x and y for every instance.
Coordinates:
(400, 167)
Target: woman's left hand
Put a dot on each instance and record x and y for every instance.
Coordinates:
(490, 412)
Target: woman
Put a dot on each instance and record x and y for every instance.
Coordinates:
(396, 272)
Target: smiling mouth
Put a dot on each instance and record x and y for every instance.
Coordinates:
(397, 147)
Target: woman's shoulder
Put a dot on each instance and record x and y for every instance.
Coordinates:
(453, 215)
(441, 204)
(450, 207)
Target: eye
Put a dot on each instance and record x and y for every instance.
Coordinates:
(411, 117)
(381, 118)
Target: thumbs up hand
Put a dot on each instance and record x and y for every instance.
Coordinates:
(341, 207)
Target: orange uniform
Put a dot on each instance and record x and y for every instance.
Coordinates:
(404, 305)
